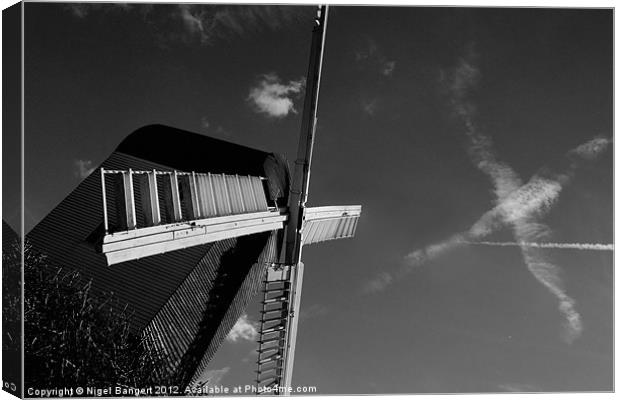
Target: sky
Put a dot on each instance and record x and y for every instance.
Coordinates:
(468, 135)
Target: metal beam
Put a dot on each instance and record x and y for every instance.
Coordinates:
(130, 205)
(175, 199)
(314, 213)
(104, 202)
(150, 198)
(291, 329)
(301, 176)
(299, 188)
(144, 242)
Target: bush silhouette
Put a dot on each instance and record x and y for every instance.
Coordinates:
(75, 336)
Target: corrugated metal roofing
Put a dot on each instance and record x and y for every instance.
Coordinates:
(222, 293)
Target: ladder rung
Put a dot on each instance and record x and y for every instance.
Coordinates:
(275, 339)
(272, 358)
(270, 384)
(275, 332)
(273, 300)
(270, 369)
(266, 327)
(275, 291)
(267, 353)
(273, 329)
(263, 369)
(276, 347)
(274, 306)
(280, 317)
(277, 281)
(267, 379)
(282, 310)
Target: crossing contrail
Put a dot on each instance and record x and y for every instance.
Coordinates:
(548, 245)
(517, 205)
(520, 206)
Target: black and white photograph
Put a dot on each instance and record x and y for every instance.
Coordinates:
(227, 199)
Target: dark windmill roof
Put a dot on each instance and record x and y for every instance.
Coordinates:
(188, 151)
(170, 294)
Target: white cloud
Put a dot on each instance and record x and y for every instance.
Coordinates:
(192, 19)
(82, 168)
(378, 283)
(591, 149)
(80, 10)
(244, 329)
(174, 23)
(208, 22)
(272, 97)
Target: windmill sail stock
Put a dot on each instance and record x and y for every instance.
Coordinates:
(152, 212)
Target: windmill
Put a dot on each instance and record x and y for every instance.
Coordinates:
(158, 211)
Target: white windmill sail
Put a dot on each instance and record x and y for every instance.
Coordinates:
(329, 223)
(216, 207)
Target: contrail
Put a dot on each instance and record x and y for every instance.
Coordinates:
(518, 208)
(517, 205)
(547, 245)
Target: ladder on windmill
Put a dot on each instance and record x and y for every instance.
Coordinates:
(282, 284)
